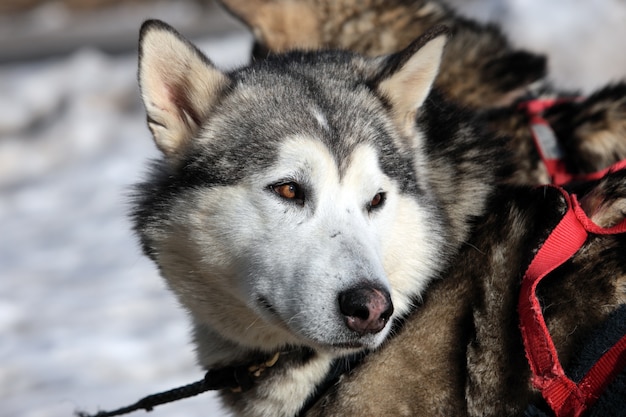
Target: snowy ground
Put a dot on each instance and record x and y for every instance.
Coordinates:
(85, 322)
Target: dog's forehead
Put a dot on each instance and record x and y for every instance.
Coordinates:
(267, 106)
(261, 111)
(294, 92)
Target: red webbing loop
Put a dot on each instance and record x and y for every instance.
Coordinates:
(565, 397)
(546, 142)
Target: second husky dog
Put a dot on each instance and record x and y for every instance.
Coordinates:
(302, 204)
(480, 69)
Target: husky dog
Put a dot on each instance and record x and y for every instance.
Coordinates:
(461, 354)
(303, 203)
(479, 70)
(479, 67)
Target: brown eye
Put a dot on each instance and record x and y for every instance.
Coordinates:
(289, 191)
(377, 201)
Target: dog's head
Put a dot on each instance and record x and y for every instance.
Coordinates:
(289, 207)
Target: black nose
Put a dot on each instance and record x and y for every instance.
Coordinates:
(366, 309)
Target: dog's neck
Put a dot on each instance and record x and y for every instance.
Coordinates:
(215, 351)
(278, 383)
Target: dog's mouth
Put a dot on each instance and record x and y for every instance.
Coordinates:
(347, 344)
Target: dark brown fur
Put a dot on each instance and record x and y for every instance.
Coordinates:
(475, 70)
(460, 353)
(591, 132)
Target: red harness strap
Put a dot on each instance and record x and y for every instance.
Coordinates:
(547, 143)
(565, 397)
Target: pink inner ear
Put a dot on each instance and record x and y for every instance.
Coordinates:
(177, 101)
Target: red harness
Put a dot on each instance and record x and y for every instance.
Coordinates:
(547, 143)
(565, 397)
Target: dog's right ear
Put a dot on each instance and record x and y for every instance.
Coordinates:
(179, 86)
(407, 77)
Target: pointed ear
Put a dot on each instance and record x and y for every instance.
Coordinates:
(179, 86)
(408, 76)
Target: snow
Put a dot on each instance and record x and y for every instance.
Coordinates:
(585, 40)
(85, 321)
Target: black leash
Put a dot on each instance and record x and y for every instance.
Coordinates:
(235, 378)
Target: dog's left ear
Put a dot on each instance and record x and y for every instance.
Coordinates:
(407, 76)
(179, 86)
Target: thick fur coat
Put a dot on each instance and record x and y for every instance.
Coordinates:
(303, 204)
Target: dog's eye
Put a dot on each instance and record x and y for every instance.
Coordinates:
(377, 201)
(289, 191)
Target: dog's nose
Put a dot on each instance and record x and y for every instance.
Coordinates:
(366, 309)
